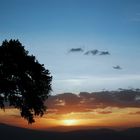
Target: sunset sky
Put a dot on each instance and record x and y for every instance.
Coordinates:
(88, 46)
(110, 109)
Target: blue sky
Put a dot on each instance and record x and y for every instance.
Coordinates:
(50, 28)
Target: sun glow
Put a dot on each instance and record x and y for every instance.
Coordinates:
(69, 122)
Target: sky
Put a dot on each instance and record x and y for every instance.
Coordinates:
(88, 46)
(49, 29)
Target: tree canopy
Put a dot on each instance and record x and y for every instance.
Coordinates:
(24, 83)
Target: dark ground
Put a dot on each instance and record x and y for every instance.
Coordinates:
(15, 133)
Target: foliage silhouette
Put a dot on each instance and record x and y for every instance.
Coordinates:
(24, 83)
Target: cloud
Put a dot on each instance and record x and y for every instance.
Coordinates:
(93, 52)
(76, 50)
(135, 113)
(104, 112)
(89, 52)
(117, 67)
(104, 53)
(85, 102)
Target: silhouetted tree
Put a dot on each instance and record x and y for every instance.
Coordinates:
(24, 83)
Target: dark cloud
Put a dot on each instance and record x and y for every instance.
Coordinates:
(135, 113)
(104, 112)
(117, 67)
(66, 102)
(89, 52)
(104, 53)
(76, 50)
(93, 52)
(84, 101)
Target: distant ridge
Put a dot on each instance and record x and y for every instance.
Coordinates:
(8, 132)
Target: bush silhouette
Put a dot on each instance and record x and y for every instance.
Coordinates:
(24, 83)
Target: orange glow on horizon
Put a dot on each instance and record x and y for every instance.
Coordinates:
(108, 117)
(70, 122)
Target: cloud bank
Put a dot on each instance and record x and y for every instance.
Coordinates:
(86, 102)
